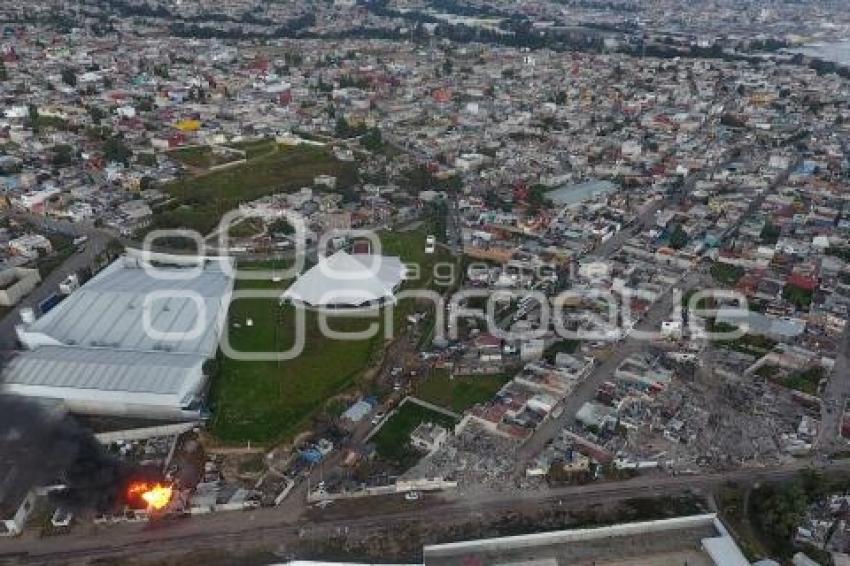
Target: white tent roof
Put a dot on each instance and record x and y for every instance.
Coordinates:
(345, 279)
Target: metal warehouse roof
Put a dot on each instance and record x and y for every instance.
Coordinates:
(104, 381)
(95, 352)
(109, 310)
(758, 323)
(107, 370)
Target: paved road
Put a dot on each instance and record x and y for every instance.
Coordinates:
(618, 240)
(586, 390)
(276, 527)
(622, 350)
(834, 397)
(656, 314)
(97, 243)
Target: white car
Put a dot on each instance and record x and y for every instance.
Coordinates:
(378, 417)
(412, 496)
(430, 244)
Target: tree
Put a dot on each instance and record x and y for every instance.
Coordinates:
(62, 155)
(418, 179)
(679, 238)
(97, 114)
(345, 130)
(69, 77)
(778, 510)
(800, 298)
(33, 115)
(281, 226)
(97, 133)
(349, 195)
(770, 233)
(161, 70)
(116, 150)
(145, 104)
(146, 159)
(342, 127)
(537, 199)
(373, 140)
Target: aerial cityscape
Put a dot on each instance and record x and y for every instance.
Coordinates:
(449, 282)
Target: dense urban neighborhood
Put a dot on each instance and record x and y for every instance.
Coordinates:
(406, 281)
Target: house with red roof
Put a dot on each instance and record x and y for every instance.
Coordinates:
(802, 282)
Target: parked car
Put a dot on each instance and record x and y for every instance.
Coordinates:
(379, 416)
(430, 244)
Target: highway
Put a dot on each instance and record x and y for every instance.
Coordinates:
(275, 526)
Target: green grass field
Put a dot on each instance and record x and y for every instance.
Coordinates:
(199, 202)
(726, 274)
(202, 157)
(255, 148)
(267, 402)
(410, 247)
(393, 440)
(460, 393)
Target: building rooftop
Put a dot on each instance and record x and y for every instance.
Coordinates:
(698, 540)
(130, 341)
(104, 374)
(185, 311)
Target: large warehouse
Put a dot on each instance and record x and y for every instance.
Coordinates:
(348, 281)
(130, 342)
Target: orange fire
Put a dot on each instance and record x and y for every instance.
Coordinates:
(156, 495)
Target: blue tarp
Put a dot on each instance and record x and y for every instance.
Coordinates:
(311, 455)
(357, 411)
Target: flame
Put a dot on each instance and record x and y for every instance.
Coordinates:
(155, 495)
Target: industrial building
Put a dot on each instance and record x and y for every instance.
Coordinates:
(130, 342)
(698, 540)
(348, 281)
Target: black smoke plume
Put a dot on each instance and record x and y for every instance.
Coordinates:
(42, 447)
